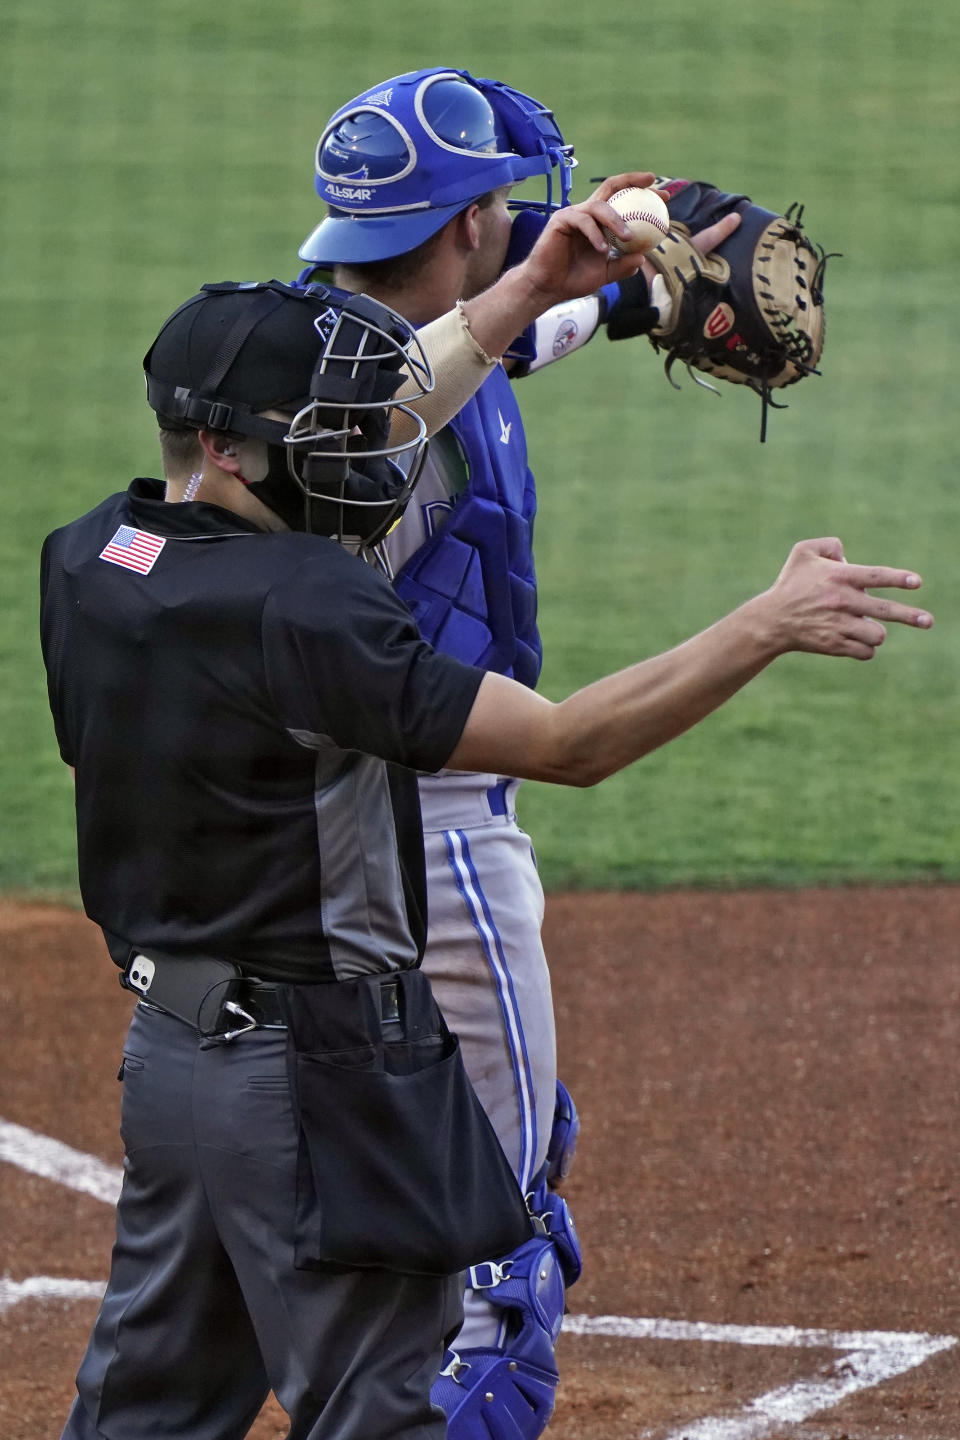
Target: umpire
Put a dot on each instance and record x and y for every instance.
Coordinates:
(237, 700)
(246, 705)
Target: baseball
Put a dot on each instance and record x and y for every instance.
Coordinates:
(647, 216)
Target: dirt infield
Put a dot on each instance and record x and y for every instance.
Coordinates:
(768, 1085)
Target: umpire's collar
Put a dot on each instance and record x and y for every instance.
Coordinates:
(159, 516)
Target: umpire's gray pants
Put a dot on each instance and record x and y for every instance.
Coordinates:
(204, 1312)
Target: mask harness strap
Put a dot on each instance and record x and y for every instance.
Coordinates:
(236, 337)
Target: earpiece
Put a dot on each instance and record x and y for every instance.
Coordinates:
(229, 450)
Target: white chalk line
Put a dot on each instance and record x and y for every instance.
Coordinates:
(55, 1161)
(47, 1287)
(869, 1356)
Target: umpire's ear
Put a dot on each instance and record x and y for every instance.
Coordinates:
(230, 453)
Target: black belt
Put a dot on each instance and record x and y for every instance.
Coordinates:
(212, 995)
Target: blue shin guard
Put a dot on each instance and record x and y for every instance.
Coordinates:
(507, 1392)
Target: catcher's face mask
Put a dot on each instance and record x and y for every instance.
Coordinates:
(333, 361)
(401, 160)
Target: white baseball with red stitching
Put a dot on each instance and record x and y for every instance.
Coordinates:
(647, 216)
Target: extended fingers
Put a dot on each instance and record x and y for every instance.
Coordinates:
(881, 577)
(878, 608)
(860, 577)
(862, 636)
(893, 612)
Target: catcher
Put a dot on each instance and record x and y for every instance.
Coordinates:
(416, 175)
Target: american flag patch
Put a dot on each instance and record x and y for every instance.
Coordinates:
(133, 549)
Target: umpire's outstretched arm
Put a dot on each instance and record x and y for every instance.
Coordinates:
(819, 604)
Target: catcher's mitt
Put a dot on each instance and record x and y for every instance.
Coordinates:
(751, 312)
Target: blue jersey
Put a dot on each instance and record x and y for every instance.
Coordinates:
(471, 585)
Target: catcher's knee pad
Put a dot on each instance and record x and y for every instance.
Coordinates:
(507, 1392)
(554, 1215)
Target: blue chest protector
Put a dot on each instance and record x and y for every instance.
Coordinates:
(471, 586)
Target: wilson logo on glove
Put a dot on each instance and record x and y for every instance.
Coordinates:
(718, 322)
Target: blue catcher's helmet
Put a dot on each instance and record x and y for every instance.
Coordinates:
(399, 161)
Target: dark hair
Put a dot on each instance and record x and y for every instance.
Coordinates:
(181, 450)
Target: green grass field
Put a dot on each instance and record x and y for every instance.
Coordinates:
(147, 149)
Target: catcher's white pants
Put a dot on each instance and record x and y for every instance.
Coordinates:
(485, 960)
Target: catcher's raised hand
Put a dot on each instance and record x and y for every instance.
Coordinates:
(821, 604)
(573, 257)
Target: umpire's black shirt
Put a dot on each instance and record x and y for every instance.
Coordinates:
(238, 706)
